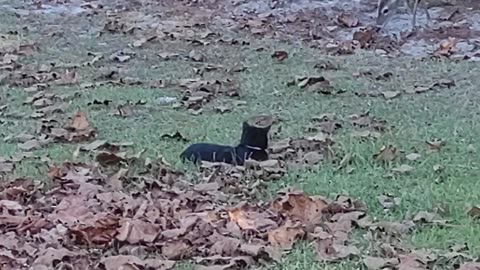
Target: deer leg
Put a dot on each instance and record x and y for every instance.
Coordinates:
(414, 19)
(427, 14)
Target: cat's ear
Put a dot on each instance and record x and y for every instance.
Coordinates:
(245, 125)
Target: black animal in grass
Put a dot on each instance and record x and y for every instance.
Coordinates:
(253, 145)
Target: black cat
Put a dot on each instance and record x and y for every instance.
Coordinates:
(253, 145)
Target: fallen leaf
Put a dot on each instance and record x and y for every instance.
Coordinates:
(386, 154)
(389, 202)
(366, 121)
(196, 56)
(304, 208)
(168, 55)
(285, 236)
(435, 145)
(243, 217)
(139, 42)
(222, 109)
(444, 83)
(474, 212)
(413, 156)
(394, 228)
(427, 217)
(30, 145)
(79, 121)
(470, 266)
(347, 20)
(6, 167)
(366, 134)
(377, 263)
(280, 55)
(446, 47)
(329, 251)
(404, 168)
(391, 94)
(438, 168)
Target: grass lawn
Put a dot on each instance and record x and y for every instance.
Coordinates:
(451, 115)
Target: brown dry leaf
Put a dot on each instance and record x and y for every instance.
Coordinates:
(107, 159)
(168, 55)
(470, 266)
(347, 20)
(222, 109)
(391, 94)
(365, 37)
(134, 231)
(6, 166)
(127, 262)
(417, 89)
(403, 169)
(474, 212)
(115, 181)
(386, 154)
(241, 217)
(324, 123)
(377, 263)
(280, 55)
(385, 77)
(104, 145)
(126, 110)
(306, 209)
(30, 145)
(411, 262)
(447, 47)
(196, 56)
(260, 251)
(413, 156)
(427, 217)
(238, 67)
(121, 58)
(366, 121)
(435, 145)
(49, 256)
(326, 65)
(443, 83)
(364, 134)
(139, 42)
(394, 228)
(285, 236)
(176, 250)
(69, 77)
(388, 201)
(122, 55)
(317, 84)
(312, 158)
(304, 81)
(79, 121)
(329, 251)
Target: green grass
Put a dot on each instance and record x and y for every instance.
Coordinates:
(448, 114)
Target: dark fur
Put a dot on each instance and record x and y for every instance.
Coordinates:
(253, 143)
(255, 136)
(222, 153)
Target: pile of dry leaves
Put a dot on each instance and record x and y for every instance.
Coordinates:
(90, 220)
(93, 217)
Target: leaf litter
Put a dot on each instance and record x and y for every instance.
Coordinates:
(110, 217)
(151, 214)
